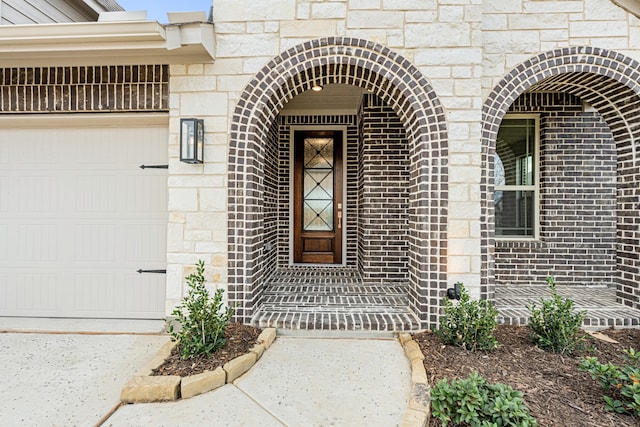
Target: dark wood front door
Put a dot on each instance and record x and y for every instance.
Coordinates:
(317, 197)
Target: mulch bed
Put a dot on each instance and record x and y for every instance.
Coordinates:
(556, 392)
(240, 339)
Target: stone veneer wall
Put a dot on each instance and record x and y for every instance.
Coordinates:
(577, 243)
(383, 195)
(476, 57)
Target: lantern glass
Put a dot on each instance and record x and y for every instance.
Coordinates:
(200, 140)
(191, 140)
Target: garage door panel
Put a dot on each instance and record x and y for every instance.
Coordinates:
(94, 294)
(37, 242)
(136, 296)
(149, 185)
(35, 193)
(41, 150)
(78, 217)
(36, 293)
(95, 193)
(4, 242)
(100, 150)
(145, 242)
(143, 287)
(4, 193)
(4, 154)
(95, 243)
(3, 291)
(144, 148)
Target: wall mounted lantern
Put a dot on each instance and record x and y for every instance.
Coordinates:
(455, 292)
(191, 140)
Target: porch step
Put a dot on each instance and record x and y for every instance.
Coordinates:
(315, 302)
(315, 276)
(333, 299)
(599, 301)
(337, 320)
(342, 290)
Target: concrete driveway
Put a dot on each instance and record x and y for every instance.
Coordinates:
(70, 379)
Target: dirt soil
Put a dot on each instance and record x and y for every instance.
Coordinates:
(556, 392)
(240, 339)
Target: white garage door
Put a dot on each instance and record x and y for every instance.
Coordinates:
(78, 217)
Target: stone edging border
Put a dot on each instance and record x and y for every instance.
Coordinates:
(419, 409)
(145, 388)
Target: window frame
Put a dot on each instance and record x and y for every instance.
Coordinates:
(536, 182)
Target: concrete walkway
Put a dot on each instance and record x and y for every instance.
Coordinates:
(298, 382)
(75, 378)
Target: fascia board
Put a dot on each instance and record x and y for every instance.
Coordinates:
(70, 33)
(104, 43)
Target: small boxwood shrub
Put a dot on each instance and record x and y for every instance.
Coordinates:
(475, 402)
(468, 324)
(554, 325)
(201, 319)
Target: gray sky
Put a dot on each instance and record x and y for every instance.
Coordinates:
(157, 9)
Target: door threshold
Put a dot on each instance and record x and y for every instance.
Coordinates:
(304, 264)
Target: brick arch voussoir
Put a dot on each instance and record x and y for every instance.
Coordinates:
(296, 62)
(599, 61)
(412, 98)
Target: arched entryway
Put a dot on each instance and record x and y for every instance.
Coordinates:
(401, 87)
(599, 81)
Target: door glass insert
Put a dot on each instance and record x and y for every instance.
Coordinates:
(318, 184)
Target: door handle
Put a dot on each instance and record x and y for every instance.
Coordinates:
(339, 216)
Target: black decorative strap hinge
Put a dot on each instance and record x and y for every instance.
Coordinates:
(154, 166)
(152, 271)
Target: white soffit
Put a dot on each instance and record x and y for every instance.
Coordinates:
(106, 43)
(631, 6)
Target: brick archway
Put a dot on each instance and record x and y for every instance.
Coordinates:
(371, 66)
(610, 82)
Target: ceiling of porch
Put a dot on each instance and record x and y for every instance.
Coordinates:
(336, 98)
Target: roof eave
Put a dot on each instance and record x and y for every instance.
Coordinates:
(98, 6)
(631, 6)
(106, 43)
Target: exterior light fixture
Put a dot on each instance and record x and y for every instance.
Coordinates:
(454, 293)
(191, 140)
(316, 88)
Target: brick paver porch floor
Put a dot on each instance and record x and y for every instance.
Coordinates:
(333, 299)
(600, 303)
(338, 299)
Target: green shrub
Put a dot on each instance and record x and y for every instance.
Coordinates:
(475, 402)
(555, 327)
(622, 384)
(468, 324)
(201, 319)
